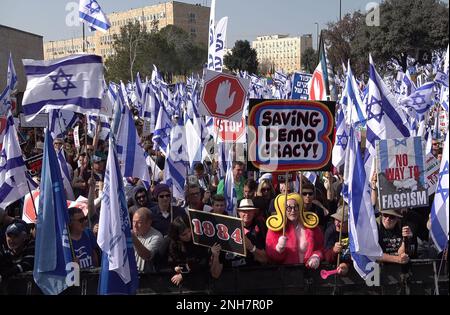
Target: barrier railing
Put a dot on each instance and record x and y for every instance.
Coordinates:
(420, 279)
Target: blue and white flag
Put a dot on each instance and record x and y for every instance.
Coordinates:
(355, 109)
(53, 252)
(66, 175)
(341, 142)
(212, 36)
(440, 209)
(130, 153)
(72, 83)
(177, 161)
(11, 77)
(229, 190)
(421, 100)
(363, 230)
(61, 121)
(161, 136)
(385, 119)
(91, 12)
(104, 130)
(118, 271)
(13, 172)
(220, 40)
(444, 99)
(5, 102)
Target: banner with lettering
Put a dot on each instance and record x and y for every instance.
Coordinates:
(300, 86)
(401, 173)
(209, 228)
(290, 135)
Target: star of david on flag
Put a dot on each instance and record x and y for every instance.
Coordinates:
(400, 142)
(68, 84)
(91, 13)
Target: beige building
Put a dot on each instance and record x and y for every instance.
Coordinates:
(282, 52)
(194, 19)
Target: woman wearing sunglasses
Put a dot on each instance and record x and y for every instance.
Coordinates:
(302, 241)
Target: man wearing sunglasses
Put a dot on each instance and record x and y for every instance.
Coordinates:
(163, 214)
(392, 237)
(83, 240)
(310, 204)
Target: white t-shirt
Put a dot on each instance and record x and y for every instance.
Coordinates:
(152, 242)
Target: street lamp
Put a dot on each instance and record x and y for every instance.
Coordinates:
(317, 24)
(53, 49)
(340, 10)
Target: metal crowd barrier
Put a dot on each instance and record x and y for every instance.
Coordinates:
(421, 278)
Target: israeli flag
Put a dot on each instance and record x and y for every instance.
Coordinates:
(341, 142)
(118, 272)
(351, 99)
(385, 119)
(444, 99)
(105, 126)
(161, 136)
(129, 151)
(177, 161)
(11, 77)
(61, 121)
(66, 175)
(13, 172)
(440, 209)
(73, 83)
(421, 100)
(363, 230)
(91, 12)
(5, 102)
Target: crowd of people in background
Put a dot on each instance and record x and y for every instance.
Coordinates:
(161, 231)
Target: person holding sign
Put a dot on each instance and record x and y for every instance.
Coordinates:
(392, 237)
(184, 256)
(254, 240)
(300, 241)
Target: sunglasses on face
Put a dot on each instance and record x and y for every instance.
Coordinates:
(308, 193)
(292, 208)
(163, 196)
(390, 217)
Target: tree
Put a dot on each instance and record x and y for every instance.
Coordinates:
(171, 49)
(310, 59)
(128, 48)
(405, 28)
(242, 57)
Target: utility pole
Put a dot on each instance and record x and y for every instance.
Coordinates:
(340, 10)
(317, 27)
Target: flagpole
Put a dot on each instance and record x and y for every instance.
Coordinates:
(285, 202)
(84, 38)
(340, 232)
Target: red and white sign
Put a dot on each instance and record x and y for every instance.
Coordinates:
(223, 96)
(230, 131)
(29, 212)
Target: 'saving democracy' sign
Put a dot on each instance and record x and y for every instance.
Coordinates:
(288, 136)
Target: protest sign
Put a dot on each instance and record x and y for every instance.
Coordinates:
(300, 86)
(286, 136)
(433, 166)
(209, 229)
(401, 173)
(34, 164)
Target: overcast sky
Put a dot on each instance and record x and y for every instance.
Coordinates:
(247, 18)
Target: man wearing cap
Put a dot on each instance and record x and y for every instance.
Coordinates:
(332, 246)
(17, 255)
(255, 239)
(391, 236)
(163, 214)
